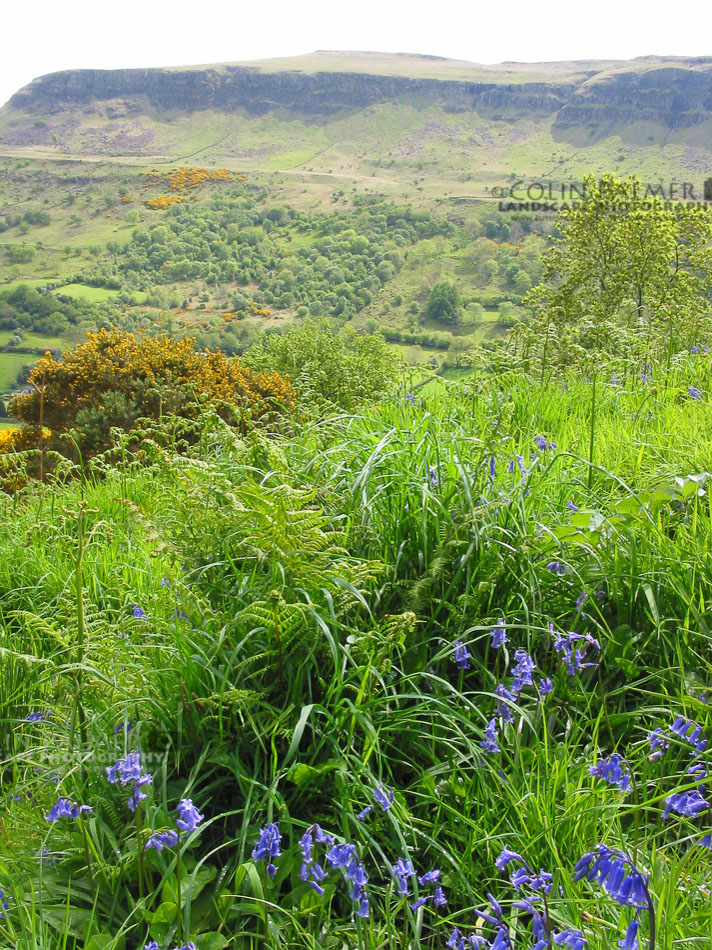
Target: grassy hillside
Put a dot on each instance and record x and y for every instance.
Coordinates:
(414, 627)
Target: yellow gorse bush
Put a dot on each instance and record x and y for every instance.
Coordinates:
(120, 378)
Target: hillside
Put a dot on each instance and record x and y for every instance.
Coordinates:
(391, 118)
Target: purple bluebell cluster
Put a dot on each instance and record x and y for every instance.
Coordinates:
(410, 398)
(138, 612)
(520, 463)
(267, 847)
(311, 870)
(694, 393)
(489, 740)
(572, 648)
(345, 858)
(615, 872)
(556, 567)
(543, 445)
(152, 945)
(433, 476)
(498, 635)
(430, 879)
(187, 821)
(690, 732)
(66, 808)
(688, 804)
(402, 871)
(613, 770)
(461, 655)
(36, 717)
(130, 770)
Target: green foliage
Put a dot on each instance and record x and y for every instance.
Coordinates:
(329, 368)
(628, 278)
(443, 301)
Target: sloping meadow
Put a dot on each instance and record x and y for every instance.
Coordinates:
(415, 677)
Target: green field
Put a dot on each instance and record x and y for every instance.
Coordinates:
(10, 364)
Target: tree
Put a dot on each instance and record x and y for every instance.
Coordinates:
(627, 278)
(444, 301)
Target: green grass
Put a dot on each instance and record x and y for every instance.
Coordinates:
(10, 364)
(84, 292)
(302, 596)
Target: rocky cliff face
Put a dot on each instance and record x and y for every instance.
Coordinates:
(234, 87)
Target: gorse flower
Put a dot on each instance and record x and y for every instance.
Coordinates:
(267, 847)
(613, 770)
(65, 808)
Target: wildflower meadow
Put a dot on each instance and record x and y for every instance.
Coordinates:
(427, 674)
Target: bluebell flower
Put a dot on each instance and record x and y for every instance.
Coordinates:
(543, 445)
(311, 870)
(165, 582)
(4, 903)
(556, 567)
(138, 613)
(504, 710)
(613, 770)
(439, 899)
(410, 398)
(694, 349)
(35, 717)
(690, 732)
(188, 816)
(364, 813)
(706, 842)
(125, 726)
(128, 770)
(506, 857)
(498, 635)
(402, 870)
(689, 804)
(572, 939)
(695, 393)
(492, 467)
(546, 686)
(614, 871)
(421, 902)
(520, 877)
(152, 945)
(345, 858)
(384, 797)
(461, 655)
(433, 475)
(65, 808)
(571, 655)
(658, 744)
(267, 847)
(162, 839)
(430, 877)
(522, 671)
(630, 941)
(489, 742)
(572, 507)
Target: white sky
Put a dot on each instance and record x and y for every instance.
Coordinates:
(47, 35)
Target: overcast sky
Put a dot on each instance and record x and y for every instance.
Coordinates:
(47, 35)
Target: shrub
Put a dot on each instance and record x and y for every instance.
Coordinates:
(115, 379)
